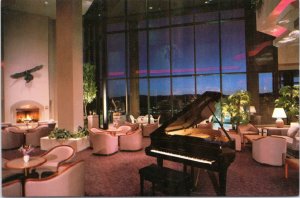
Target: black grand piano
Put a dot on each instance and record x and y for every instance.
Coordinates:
(180, 141)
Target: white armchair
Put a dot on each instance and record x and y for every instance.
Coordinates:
(103, 142)
(131, 141)
(68, 181)
(269, 150)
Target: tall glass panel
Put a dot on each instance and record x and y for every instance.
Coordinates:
(116, 95)
(233, 82)
(207, 48)
(160, 97)
(233, 46)
(183, 92)
(159, 52)
(116, 55)
(208, 83)
(182, 50)
(143, 88)
(265, 83)
(142, 53)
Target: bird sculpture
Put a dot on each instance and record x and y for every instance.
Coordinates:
(26, 74)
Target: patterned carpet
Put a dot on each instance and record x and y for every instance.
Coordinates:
(117, 175)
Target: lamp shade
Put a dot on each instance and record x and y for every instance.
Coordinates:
(252, 109)
(278, 113)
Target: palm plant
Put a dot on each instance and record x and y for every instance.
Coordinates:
(89, 85)
(289, 100)
(236, 107)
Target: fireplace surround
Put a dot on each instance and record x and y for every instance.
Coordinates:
(26, 111)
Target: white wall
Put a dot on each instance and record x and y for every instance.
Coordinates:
(25, 46)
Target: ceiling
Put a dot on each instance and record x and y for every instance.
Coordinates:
(280, 18)
(39, 7)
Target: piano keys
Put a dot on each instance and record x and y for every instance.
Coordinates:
(178, 140)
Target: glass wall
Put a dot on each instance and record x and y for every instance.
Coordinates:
(174, 50)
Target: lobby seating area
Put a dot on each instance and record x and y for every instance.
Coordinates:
(109, 175)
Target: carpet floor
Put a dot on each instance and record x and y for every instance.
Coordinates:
(118, 175)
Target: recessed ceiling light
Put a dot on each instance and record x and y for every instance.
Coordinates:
(46, 2)
(150, 8)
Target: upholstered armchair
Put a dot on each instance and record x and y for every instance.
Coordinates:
(67, 181)
(55, 157)
(147, 129)
(247, 129)
(269, 150)
(12, 137)
(103, 142)
(7, 173)
(12, 189)
(33, 136)
(132, 141)
(291, 135)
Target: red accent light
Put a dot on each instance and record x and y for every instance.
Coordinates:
(259, 48)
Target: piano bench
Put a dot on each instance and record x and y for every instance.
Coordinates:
(167, 180)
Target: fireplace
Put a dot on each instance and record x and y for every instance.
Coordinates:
(27, 115)
(27, 111)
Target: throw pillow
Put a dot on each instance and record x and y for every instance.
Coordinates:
(293, 130)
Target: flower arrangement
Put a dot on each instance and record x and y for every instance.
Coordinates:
(26, 149)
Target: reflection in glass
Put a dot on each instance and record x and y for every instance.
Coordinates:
(160, 97)
(142, 53)
(207, 49)
(233, 46)
(116, 95)
(159, 52)
(183, 92)
(116, 55)
(182, 50)
(233, 82)
(208, 83)
(265, 83)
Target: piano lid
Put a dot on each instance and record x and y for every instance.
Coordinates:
(200, 109)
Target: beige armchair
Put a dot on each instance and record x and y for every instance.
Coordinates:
(246, 129)
(68, 181)
(12, 137)
(103, 142)
(147, 129)
(291, 135)
(131, 141)
(33, 136)
(269, 150)
(12, 189)
(55, 157)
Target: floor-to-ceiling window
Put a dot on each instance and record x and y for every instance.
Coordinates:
(159, 55)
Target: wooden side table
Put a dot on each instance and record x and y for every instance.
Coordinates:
(290, 162)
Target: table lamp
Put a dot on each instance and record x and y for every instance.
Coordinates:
(252, 110)
(279, 114)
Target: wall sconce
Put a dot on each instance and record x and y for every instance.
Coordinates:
(279, 113)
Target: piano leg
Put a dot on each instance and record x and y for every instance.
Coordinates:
(159, 162)
(222, 182)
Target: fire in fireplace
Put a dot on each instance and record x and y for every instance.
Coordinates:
(27, 115)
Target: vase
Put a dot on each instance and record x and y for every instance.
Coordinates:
(26, 158)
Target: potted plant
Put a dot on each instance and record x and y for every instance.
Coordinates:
(236, 107)
(289, 100)
(89, 85)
